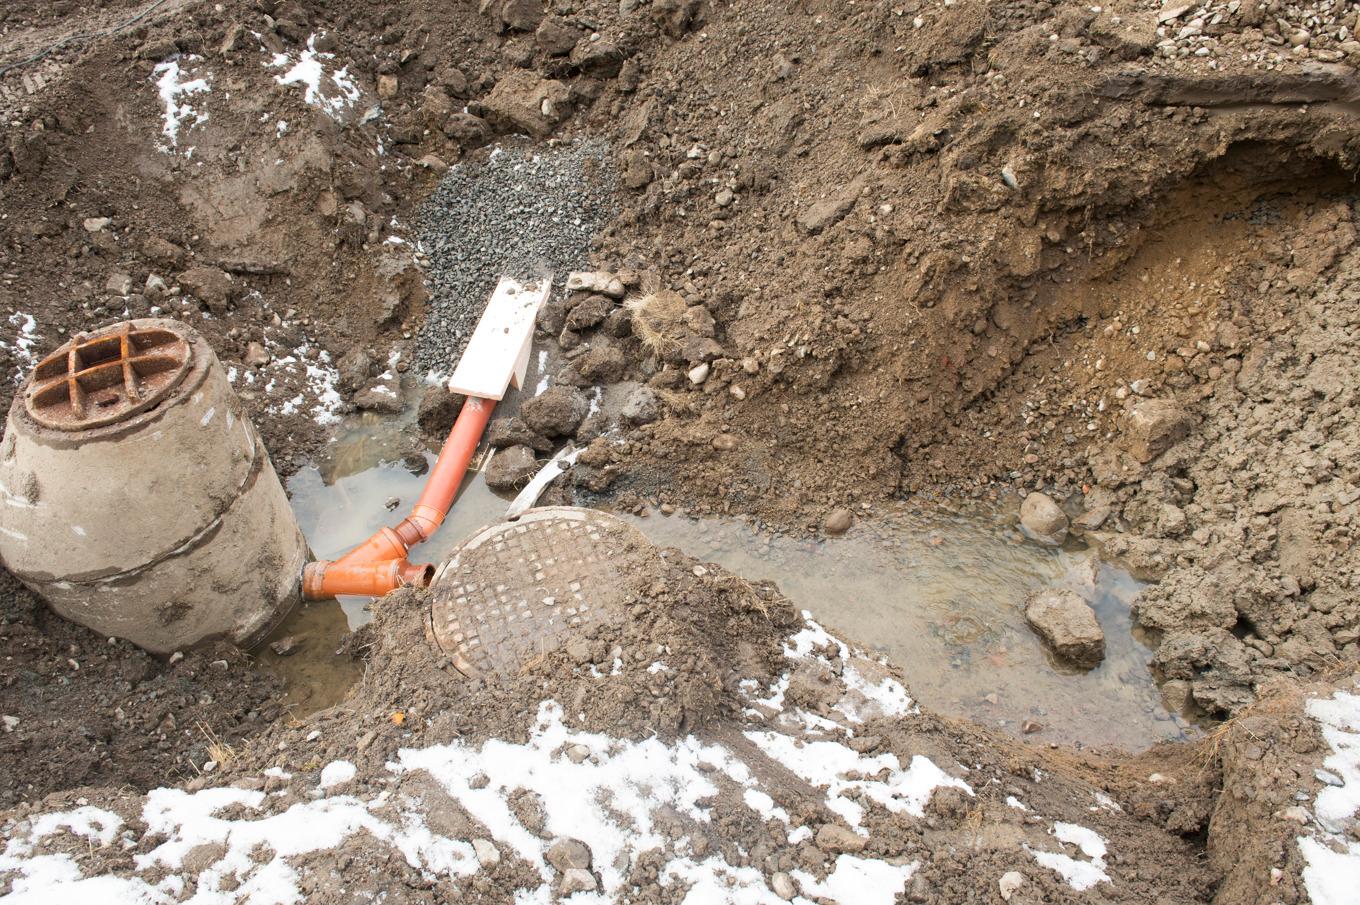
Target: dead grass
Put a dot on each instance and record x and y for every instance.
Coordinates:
(218, 751)
(677, 402)
(1280, 700)
(657, 315)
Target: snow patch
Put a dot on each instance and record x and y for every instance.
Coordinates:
(187, 820)
(35, 875)
(333, 92)
(174, 88)
(542, 372)
(336, 773)
(635, 778)
(1080, 875)
(1331, 858)
(862, 881)
(318, 379)
(25, 339)
(869, 697)
(827, 764)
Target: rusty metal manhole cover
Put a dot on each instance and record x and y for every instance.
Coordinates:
(514, 591)
(101, 378)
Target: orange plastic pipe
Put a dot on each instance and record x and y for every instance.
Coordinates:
(379, 564)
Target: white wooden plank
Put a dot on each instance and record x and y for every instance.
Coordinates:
(498, 353)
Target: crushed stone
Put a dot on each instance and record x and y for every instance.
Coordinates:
(520, 212)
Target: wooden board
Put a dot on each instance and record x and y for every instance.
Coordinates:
(498, 353)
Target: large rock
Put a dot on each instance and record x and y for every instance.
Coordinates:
(567, 854)
(438, 410)
(835, 839)
(588, 313)
(1153, 426)
(467, 129)
(838, 521)
(522, 15)
(602, 59)
(210, 285)
(827, 213)
(1068, 624)
(382, 395)
(510, 468)
(600, 281)
(354, 368)
(641, 407)
(1217, 666)
(1043, 520)
(505, 432)
(552, 317)
(555, 37)
(604, 363)
(523, 102)
(163, 252)
(557, 412)
(436, 106)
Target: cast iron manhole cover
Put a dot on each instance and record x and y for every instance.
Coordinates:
(515, 591)
(107, 376)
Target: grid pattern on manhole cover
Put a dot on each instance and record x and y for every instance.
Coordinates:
(522, 589)
(102, 378)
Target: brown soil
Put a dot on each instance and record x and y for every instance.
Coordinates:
(943, 250)
(93, 711)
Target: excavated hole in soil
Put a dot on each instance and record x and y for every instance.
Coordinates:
(1170, 282)
(938, 592)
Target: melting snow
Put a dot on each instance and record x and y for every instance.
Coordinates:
(40, 875)
(321, 380)
(636, 778)
(884, 696)
(828, 763)
(1332, 867)
(620, 802)
(861, 881)
(174, 89)
(542, 372)
(25, 339)
(1080, 875)
(333, 92)
(336, 773)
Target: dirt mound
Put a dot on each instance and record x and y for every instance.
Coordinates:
(1248, 518)
(709, 630)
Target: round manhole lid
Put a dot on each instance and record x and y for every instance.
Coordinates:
(107, 376)
(517, 590)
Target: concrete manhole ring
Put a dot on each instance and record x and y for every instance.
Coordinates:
(515, 591)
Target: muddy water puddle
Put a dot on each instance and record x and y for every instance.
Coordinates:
(366, 480)
(940, 593)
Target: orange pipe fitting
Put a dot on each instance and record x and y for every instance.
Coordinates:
(379, 564)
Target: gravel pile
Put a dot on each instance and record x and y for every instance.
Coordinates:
(522, 212)
(1265, 33)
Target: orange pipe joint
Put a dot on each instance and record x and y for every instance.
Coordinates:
(323, 580)
(379, 564)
